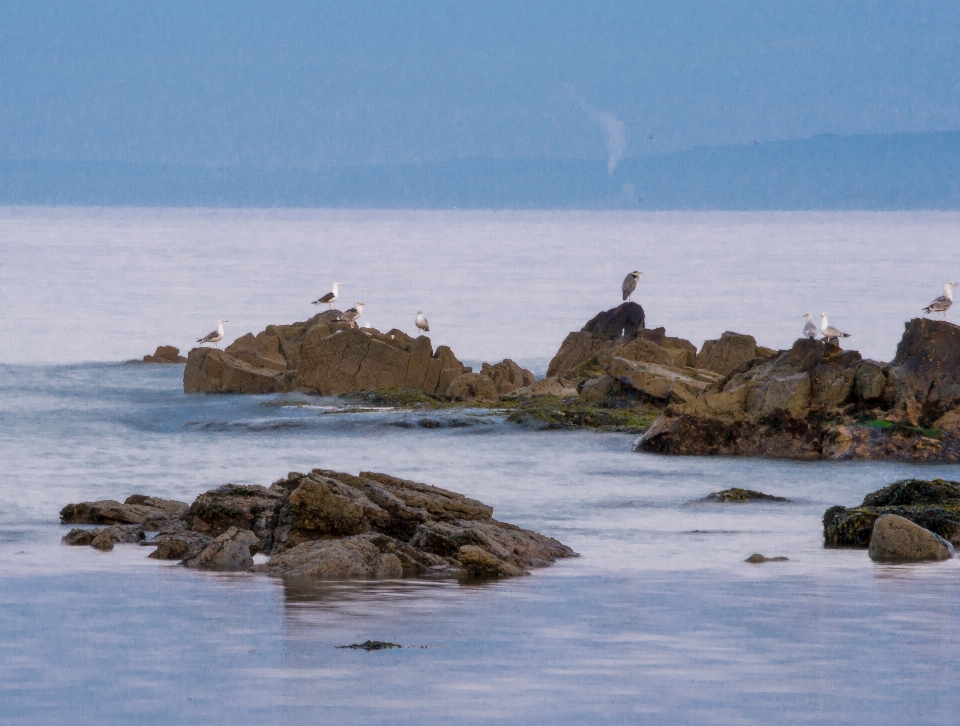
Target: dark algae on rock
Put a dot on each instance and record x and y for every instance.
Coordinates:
(742, 495)
(329, 525)
(933, 505)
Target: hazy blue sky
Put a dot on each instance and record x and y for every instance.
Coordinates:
(313, 84)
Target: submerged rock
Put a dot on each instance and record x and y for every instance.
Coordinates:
(331, 525)
(933, 505)
(896, 539)
(742, 495)
(757, 559)
(369, 645)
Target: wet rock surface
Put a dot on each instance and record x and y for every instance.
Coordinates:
(896, 539)
(332, 525)
(933, 505)
(742, 495)
(816, 401)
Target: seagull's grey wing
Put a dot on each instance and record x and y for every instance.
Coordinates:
(349, 315)
(208, 337)
(939, 305)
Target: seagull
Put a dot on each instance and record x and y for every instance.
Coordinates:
(351, 315)
(943, 303)
(331, 297)
(830, 332)
(422, 322)
(216, 336)
(810, 329)
(630, 283)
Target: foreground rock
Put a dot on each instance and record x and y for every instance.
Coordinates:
(932, 505)
(322, 356)
(331, 525)
(896, 539)
(816, 401)
(166, 354)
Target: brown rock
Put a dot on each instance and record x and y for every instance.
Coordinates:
(165, 354)
(335, 559)
(507, 375)
(728, 353)
(241, 507)
(758, 559)
(896, 539)
(546, 387)
(479, 564)
(179, 545)
(601, 334)
(472, 387)
(80, 537)
(232, 551)
(596, 389)
(135, 510)
(926, 369)
(657, 382)
(103, 541)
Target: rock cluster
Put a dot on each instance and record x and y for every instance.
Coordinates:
(932, 505)
(816, 401)
(328, 525)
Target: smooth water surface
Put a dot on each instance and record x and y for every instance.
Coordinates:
(659, 620)
(111, 284)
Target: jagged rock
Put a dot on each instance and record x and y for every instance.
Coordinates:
(731, 351)
(933, 505)
(232, 551)
(507, 375)
(546, 387)
(243, 507)
(472, 387)
(179, 545)
(136, 509)
(164, 354)
(742, 495)
(615, 326)
(926, 369)
(896, 539)
(329, 524)
(322, 356)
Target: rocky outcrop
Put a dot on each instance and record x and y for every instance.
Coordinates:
(933, 505)
(328, 524)
(472, 387)
(507, 376)
(896, 539)
(150, 512)
(816, 401)
(166, 354)
(324, 357)
(742, 495)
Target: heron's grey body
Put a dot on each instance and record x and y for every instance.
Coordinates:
(331, 297)
(216, 336)
(942, 303)
(630, 283)
(351, 315)
(422, 322)
(830, 332)
(810, 329)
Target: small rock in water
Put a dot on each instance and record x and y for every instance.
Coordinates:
(371, 645)
(742, 495)
(758, 558)
(896, 539)
(103, 541)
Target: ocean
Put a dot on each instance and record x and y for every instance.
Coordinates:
(658, 621)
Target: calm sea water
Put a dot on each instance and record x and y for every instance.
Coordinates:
(659, 620)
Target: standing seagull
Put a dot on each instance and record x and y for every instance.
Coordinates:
(422, 322)
(830, 332)
(810, 329)
(942, 303)
(351, 315)
(216, 336)
(630, 283)
(331, 297)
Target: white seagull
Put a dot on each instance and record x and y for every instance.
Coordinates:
(630, 283)
(942, 303)
(422, 322)
(216, 336)
(331, 297)
(810, 329)
(351, 315)
(830, 332)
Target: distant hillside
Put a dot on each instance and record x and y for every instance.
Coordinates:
(877, 172)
